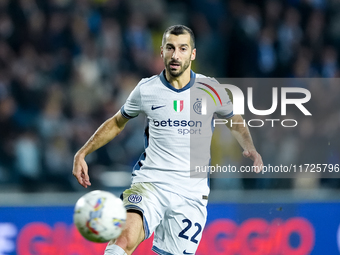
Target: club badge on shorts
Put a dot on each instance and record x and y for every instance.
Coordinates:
(134, 198)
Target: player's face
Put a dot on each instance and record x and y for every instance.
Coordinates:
(177, 54)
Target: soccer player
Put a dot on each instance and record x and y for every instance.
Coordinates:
(166, 198)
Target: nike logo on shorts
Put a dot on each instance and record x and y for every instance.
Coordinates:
(156, 107)
(185, 252)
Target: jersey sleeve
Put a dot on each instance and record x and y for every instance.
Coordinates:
(226, 109)
(133, 104)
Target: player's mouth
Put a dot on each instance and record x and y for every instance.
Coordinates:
(174, 65)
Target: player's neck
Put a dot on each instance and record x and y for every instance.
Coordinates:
(180, 81)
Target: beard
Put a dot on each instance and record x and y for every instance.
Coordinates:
(177, 72)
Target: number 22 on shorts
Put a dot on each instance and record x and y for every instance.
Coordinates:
(189, 224)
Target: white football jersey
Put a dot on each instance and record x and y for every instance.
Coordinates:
(178, 131)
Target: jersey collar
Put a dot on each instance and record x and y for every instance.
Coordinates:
(167, 84)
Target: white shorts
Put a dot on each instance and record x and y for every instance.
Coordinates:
(177, 221)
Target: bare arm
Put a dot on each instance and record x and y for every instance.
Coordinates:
(104, 134)
(242, 135)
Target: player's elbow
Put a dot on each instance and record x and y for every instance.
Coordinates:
(119, 130)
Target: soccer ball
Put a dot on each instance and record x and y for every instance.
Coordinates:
(99, 216)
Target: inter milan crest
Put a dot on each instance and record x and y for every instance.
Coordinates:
(178, 105)
(198, 106)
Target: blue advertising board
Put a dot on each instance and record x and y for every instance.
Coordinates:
(232, 229)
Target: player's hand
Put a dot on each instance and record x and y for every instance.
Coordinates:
(80, 171)
(256, 157)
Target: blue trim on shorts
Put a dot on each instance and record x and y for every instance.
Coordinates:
(159, 251)
(145, 222)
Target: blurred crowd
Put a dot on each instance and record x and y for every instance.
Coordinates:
(66, 66)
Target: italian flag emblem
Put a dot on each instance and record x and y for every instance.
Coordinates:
(178, 105)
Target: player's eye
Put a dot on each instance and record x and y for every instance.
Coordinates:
(184, 48)
(169, 47)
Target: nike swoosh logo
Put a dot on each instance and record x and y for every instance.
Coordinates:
(185, 252)
(156, 107)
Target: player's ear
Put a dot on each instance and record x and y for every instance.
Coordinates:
(193, 54)
(161, 51)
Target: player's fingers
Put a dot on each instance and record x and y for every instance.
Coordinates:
(86, 177)
(258, 163)
(80, 178)
(77, 172)
(83, 182)
(256, 157)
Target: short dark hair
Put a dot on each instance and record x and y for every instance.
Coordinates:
(180, 30)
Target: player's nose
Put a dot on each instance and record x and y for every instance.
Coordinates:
(175, 54)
